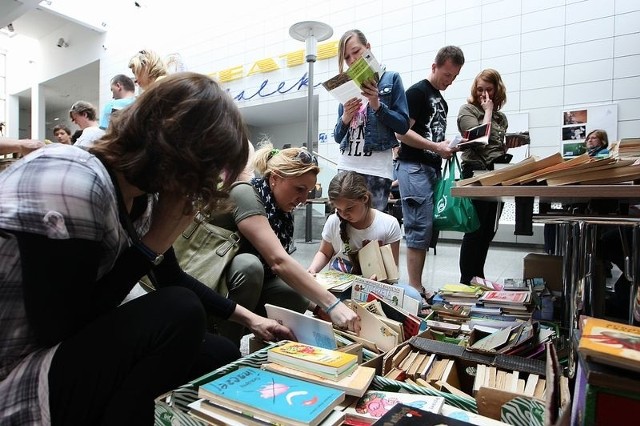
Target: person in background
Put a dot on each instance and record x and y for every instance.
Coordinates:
(147, 67)
(62, 134)
(123, 90)
(597, 143)
(70, 352)
(366, 130)
(353, 225)
(488, 96)
(264, 271)
(85, 116)
(422, 149)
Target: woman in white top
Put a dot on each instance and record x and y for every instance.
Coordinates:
(353, 225)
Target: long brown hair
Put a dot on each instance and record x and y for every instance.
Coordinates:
(183, 135)
(352, 186)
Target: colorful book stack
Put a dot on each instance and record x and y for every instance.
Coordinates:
(607, 387)
(250, 396)
(513, 303)
(326, 363)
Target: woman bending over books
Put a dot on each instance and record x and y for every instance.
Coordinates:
(488, 96)
(78, 229)
(366, 129)
(264, 272)
(353, 225)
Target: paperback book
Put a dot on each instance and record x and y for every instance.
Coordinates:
(272, 397)
(347, 85)
(611, 343)
(326, 363)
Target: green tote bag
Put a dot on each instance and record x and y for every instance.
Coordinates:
(452, 213)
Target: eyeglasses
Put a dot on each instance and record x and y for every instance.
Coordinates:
(305, 157)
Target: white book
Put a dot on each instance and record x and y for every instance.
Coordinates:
(307, 329)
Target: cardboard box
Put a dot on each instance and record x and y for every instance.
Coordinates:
(545, 266)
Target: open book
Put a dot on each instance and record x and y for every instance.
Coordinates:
(347, 85)
(475, 136)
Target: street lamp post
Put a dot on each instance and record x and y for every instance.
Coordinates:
(311, 32)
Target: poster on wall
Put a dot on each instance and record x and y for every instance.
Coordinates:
(577, 123)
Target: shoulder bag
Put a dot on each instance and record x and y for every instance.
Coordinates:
(452, 213)
(205, 251)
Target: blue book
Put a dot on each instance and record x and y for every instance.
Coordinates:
(273, 397)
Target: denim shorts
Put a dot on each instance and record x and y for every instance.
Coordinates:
(417, 181)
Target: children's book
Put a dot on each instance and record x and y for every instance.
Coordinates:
(506, 297)
(307, 329)
(363, 286)
(326, 363)
(610, 343)
(334, 280)
(272, 397)
(355, 384)
(374, 404)
(405, 415)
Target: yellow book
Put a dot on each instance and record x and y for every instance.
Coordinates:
(611, 343)
(325, 362)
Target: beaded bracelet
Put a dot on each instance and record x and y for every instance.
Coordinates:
(333, 305)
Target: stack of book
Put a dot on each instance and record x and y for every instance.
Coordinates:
(250, 396)
(510, 381)
(629, 147)
(459, 294)
(374, 404)
(514, 303)
(335, 369)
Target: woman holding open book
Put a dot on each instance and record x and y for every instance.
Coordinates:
(488, 96)
(353, 225)
(366, 127)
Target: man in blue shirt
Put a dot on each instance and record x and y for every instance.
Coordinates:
(123, 89)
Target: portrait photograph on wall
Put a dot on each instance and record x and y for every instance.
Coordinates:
(578, 122)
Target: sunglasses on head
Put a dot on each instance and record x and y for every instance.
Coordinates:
(305, 157)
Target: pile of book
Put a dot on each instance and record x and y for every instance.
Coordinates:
(554, 170)
(509, 381)
(607, 386)
(251, 396)
(629, 147)
(514, 303)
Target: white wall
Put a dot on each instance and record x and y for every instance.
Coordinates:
(553, 54)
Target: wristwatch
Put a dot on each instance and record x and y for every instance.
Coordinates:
(151, 255)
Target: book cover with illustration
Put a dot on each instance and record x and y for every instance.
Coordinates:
(312, 357)
(506, 297)
(363, 286)
(334, 280)
(405, 415)
(611, 343)
(272, 396)
(307, 329)
(374, 404)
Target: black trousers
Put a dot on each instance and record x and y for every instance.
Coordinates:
(111, 372)
(475, 245)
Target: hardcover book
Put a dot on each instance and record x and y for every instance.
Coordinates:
(362, 287)
(506, 297)
(405, 415)
(325, 362)
(334, 280)
(272, 397)
(476, 136)
(374, 404)
(611, 343)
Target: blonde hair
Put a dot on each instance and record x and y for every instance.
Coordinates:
(150, 62)
(289, 162)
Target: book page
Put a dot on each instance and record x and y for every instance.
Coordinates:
(308, 330)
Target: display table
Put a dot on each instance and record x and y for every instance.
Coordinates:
(576, 233)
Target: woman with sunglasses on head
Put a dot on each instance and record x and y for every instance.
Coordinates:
(147, 67)
(263, 271)
(366, 129)
(70, 352)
